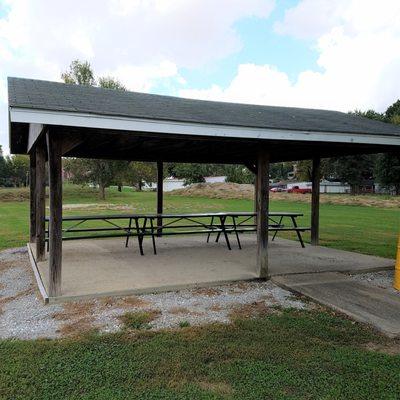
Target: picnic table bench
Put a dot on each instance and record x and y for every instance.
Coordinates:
(154, 225)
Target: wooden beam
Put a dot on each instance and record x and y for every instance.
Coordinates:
(316, 177)
(54, 147)
(251, 167)
(40, 199)
(32, 199)
(262, 213)
(70, 142)
(35, 131)
(160, 194)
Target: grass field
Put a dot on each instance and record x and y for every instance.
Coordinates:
(287, 355)
(369, 230)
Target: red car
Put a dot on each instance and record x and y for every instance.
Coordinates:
(296, 189)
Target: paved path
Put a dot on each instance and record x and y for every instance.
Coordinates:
(360, 301)
(287, 257)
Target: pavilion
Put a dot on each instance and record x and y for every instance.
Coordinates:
(50, 120)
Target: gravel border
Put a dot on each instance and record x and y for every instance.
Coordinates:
(23, 314)
(381, 279)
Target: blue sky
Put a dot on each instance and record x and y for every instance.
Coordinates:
(330, 54)
(261, 45)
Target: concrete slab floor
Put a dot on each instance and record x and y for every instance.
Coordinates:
(103, 267)
(362, 302)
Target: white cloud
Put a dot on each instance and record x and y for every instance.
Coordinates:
(359, 59)
(138, 41)
(141, 78)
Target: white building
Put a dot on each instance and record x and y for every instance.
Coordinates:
(324, 187)
(215, 179)
(333, 187)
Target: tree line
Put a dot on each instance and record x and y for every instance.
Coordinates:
(14, 170)
(353, 170)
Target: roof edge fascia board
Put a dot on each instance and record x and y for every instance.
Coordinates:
(86, 120)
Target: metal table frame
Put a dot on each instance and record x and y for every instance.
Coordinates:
(142, 225)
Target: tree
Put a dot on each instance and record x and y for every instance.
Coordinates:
(139, 173)
(111, 83)
(280, 170)
(194, 173)
(102, 173)
(387, 166)
(79, 73)
(392, 111)
(353, 170)
(98, 172)
(239, 174)
(387, 172)
(16, 170)
(3, 168)
(371, 114)
(304, 170)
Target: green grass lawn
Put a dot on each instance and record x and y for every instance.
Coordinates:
(289, 355)
(284, 355)
(368, 230)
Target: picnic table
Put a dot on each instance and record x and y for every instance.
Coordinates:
(155, 225)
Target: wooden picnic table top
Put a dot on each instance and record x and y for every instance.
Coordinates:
(193, 215)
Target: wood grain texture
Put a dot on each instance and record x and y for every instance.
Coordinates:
(32, 200)
(262, 213)
(54, 146)
(316, 177)
(40, 200)
(160, 194)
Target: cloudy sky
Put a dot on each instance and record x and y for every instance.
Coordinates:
(333, 54)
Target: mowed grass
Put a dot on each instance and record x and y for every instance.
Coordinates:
(286, 355)
(369, 230)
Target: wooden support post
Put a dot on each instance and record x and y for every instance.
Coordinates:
(40, 199)
(160, 197)
(255, 193)
(316, 177)
(255, 196)
(55, 216)
(262, 213)
(32, 199)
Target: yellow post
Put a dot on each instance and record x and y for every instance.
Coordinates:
(396, 283)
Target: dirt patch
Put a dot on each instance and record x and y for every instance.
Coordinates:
(77, 328)
(123, 302)
(258, 308)
(221, 388)
(206, 291)
(76, 318)
(97, 206)
(216, 308)
(392, 348)
(179, 310)
(246, 191)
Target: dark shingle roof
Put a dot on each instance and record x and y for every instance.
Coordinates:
(44, 95)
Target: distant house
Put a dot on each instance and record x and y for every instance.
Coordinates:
(324, 187)
(333, 187)
(215, 179)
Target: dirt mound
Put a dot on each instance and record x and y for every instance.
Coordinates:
(217, 191)
(245, 191)
(14, 194)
